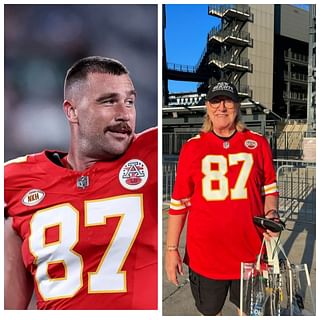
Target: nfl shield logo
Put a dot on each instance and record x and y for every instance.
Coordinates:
(83, 182)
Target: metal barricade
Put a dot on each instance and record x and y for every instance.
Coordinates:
(297, 189)
(169, 177)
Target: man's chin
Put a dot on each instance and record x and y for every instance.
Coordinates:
(119, 148)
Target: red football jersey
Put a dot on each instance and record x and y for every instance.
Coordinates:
(222, 184)
(89, 238)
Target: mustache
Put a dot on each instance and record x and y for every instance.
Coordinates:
(122, 127)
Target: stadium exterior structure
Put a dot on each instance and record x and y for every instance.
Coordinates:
(268, 52)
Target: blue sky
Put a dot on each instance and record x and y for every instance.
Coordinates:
(187, 27)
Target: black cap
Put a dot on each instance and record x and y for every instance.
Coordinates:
(223, 88)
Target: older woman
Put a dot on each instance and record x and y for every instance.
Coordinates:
(225, 177)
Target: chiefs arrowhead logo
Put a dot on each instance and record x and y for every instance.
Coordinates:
(251, 144)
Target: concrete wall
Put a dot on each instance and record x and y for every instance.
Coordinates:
(261, 55)
(294, 22)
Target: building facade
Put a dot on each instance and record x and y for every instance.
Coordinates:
(262, 49)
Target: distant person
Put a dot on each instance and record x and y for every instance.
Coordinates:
(225, 177)
(82, 226)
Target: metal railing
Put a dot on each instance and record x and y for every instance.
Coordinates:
(172, 142)
(181, 67)
(169, 177)
(230, 58)
(221, 9)
(290, 140)
(223, 34)
(204, 51)
(299, 57)
(296, 183)
(296, 76)
(295, 96)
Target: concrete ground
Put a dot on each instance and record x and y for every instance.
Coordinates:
(299, 244)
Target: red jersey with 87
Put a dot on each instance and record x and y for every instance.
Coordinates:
(89, 238)
(222, 186)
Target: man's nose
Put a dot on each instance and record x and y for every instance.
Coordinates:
(122, 112)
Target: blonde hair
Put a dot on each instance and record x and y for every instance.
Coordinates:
(208, 127)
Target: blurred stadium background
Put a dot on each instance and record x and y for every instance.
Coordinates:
(42, 41)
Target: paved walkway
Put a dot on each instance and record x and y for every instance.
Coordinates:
(298, 242)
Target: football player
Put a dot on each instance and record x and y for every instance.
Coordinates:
(82, 226)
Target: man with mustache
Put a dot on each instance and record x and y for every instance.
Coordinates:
(82, 226)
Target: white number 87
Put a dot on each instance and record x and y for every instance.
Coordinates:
(239, 191)
(108, 277)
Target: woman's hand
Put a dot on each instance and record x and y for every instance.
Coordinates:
(272, 215)
(173, 265)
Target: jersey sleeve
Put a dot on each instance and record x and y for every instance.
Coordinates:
(183, 187)
(12, 178)
(269, 184)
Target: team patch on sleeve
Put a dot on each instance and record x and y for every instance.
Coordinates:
(269, 189)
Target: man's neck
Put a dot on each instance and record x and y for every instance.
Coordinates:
(79, 163)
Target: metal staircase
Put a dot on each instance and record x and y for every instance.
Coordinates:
(225, 55)
(227, 43)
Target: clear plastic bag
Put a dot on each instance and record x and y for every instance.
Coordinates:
(273, 287)
(259, 290)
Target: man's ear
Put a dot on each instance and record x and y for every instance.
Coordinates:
(70, 111)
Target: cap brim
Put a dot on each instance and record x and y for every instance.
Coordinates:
(228, 94)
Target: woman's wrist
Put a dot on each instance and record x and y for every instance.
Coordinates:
(172, 248)
(272, 213)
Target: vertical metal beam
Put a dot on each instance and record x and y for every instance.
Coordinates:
(311, 68)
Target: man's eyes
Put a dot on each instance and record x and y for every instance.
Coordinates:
(115, 101)
(109, 101)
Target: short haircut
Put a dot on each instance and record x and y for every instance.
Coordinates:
(81, 68)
